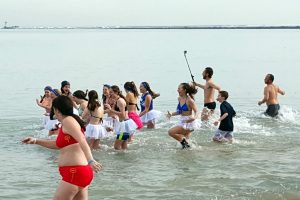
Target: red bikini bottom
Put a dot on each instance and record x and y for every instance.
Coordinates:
(80, 175)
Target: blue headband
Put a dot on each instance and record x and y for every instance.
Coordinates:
(48, 88)
(54, 92)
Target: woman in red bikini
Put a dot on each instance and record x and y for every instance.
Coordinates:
(76, 163)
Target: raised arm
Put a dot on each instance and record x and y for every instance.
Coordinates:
(213, 85)
(198, 84)
(47, 106)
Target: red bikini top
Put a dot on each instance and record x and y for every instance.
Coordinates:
(64, 139)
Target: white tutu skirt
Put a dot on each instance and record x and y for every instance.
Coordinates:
(109, 122)
(51, 124)
(194, 125)
(46, 119)
(93, 131)
(127, 126)
(152, 115)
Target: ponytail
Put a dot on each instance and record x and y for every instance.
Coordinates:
(190, 90)
(131, 87)
(147, 87)
(93, 102)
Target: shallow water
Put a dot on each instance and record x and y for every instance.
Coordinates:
(263, 162)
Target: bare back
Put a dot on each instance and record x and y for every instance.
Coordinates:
(96, 115)
(132, 102)
(271, 92)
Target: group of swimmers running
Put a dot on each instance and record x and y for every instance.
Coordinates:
(79, 122)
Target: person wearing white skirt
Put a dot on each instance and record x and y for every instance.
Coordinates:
(125, 127)
(93, 114)
(147, 114)
(186, 106)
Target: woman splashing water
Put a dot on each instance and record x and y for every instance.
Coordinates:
(186, 106)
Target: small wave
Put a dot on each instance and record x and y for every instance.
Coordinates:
(243, 142)
(288, 114)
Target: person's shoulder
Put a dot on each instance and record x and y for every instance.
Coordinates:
(121, 100)
(129, 94)
(68, 121)
(267, 87)
(190, 99)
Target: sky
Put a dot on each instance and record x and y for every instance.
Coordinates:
(149, 12)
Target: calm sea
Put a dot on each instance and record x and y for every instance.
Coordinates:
(263, 163)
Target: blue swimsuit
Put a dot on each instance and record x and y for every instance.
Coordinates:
(182, 108)
(142, 102)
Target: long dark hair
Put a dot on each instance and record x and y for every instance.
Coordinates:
(190, 90)
(63, 84)
(117, 90)
(131, 87)
(80, 94)
(103, 96)
(93, 102)
(65, 105)
(147, 87)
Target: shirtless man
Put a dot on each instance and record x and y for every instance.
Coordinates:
(209, 93)
(270, 96)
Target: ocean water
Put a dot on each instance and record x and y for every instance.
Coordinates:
(263, 163)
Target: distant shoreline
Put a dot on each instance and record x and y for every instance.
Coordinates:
(163, 27)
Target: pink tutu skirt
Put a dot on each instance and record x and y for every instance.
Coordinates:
(136, 118)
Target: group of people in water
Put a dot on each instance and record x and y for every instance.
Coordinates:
(78, 121)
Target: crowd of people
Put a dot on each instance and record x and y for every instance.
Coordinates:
(81, 119)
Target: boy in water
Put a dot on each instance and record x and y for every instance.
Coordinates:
(224, 132)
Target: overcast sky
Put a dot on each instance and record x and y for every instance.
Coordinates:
(149, 12)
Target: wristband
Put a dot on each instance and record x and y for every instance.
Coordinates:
(34, 140)
(91, 161)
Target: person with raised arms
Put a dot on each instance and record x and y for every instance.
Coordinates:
(75, 161)
(46, 103)
(209, 93)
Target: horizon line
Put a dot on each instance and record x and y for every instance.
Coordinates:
(161, 27)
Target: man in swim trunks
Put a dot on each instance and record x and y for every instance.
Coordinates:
(270, 96)
(209, 93)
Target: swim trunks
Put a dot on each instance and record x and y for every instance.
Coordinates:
(272, 110)
(211, 105)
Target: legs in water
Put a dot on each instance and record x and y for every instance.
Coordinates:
(121, 141)
(150, 124)
(180, 134)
